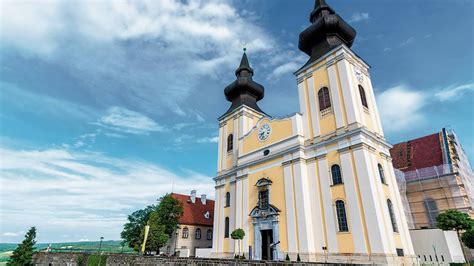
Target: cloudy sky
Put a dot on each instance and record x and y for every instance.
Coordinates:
(104, 105)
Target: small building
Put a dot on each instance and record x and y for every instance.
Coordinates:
(434, 175)
(442, 248)
(195, 225)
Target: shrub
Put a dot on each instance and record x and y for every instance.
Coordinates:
(97, 260)
(298, 257)
(287, 257)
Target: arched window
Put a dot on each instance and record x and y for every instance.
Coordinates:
(324, 99)
(226, 227)
(431, 211)
(392, 216)
(362, 97)
(209, 234)
(185, 232)
(230, 142)
(197, 234)
(381, 174)
(336, 174)
(341, 216)
(227, 199)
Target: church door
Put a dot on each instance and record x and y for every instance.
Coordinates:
(267, 239)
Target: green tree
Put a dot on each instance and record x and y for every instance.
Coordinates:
(238, 234)
(133, 228)
(169, 210)
(468, 238)
(23, 254)
(455, 220)
(157, 236)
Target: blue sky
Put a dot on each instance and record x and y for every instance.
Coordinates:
(104, 105)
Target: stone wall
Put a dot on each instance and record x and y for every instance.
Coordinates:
(71, 259)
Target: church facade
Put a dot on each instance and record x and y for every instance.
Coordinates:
(320, 183)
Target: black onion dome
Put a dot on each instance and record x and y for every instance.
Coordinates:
(327, 31)
(244, 91)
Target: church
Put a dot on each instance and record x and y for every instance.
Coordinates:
(318, 184)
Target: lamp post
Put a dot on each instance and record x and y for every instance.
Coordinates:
(100, 244)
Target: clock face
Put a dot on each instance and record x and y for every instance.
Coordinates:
(264, 132)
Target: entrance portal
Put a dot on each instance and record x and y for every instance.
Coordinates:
(267, 240)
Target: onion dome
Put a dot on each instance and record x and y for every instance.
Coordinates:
(327, 31)
(244, 91)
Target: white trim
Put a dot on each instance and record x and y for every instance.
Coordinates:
(303, 207)
(232, 216)
(303, 108)
(354, 207)
(373, 215)
(335, 102)
(219, 150)
(398, 208)
(313, 107)
(290, 211)
(235, 142)
(273, 147)
(245, 213)
(224, 149)
(375, 113)
(316, 211)
(347, 92)
(383, 203)
(331, 227)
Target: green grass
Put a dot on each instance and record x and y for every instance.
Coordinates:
(111, 246)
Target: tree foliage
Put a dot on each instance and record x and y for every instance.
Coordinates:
(132, 230)
(238, 234)
(468, 238)
(23, 254)
(157, 236)
(454, 220)
(169, 210)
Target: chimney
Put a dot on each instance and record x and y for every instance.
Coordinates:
(193, 196)
(203, 199)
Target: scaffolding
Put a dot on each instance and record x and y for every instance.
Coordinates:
(426, 192)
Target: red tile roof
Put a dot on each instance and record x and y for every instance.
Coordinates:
(194, 213)
(418, 153)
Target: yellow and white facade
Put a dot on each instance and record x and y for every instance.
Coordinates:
(290, 183)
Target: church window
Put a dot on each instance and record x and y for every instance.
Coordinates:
(431, 211)
(226, 227)
(392, 216)
(324, 99)
(185, 232)
(209, 234)
(227, 199)
(230, 142)
(197, 234)
(362, 97)
(336, 174)
(263, 199)
(341, 216)
(381, 174)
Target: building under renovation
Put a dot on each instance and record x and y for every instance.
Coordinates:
(434, 175)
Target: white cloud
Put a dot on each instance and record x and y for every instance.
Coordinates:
(82, 192)
(359, 16)
(283, 69)
(208, 140)
(408, 41)
(127, 121)
(401, 108)
(12, 234)
(454, 92)
(155, 53)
